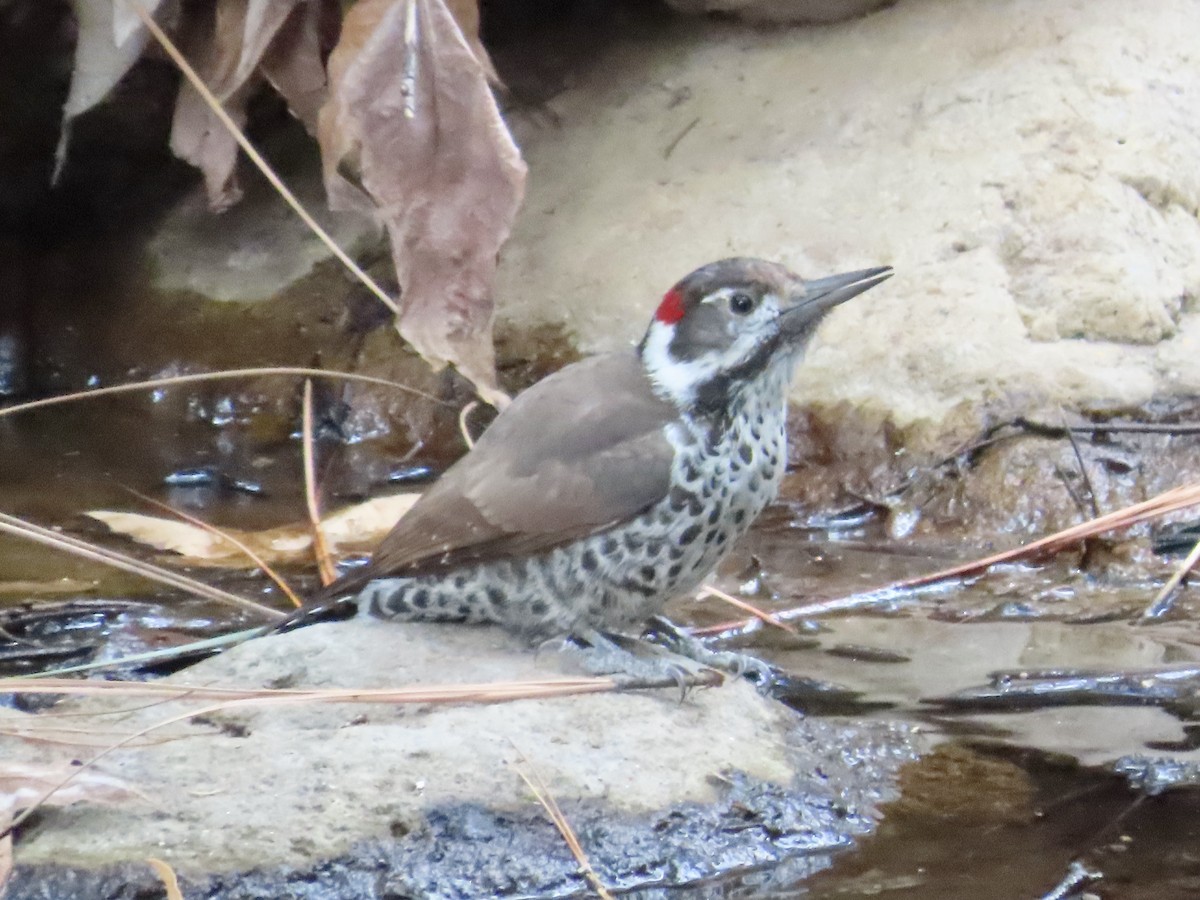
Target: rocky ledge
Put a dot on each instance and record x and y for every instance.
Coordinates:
(348, 800)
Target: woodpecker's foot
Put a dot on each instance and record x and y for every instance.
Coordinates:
(629, 658)
(741, 665)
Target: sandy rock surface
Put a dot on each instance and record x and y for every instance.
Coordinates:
(354, 800)
(1024, 165)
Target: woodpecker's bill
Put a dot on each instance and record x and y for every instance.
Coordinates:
(621, 480)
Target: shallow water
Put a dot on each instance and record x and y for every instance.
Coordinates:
(1018, 790)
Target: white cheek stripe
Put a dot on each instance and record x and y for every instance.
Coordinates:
(676, 379)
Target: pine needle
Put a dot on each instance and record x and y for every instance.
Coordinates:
(463, 429)
(739, 603)
(1162, 600)
(194, 377)
(163, 655)
(85, 550)
(1156, 507)
(487, 692)
(320, 545)
(237, 698)
(542, 793)
(1160, 505)
(243, 698)
(241, 545)
(167, 876)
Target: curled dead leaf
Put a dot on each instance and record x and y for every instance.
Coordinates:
(228, 50)
(197, 135)
(108, 43)
(292, 62)
(23, 784)
(412, 117)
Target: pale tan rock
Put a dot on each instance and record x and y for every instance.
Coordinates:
(323, 793)
(1024, 165)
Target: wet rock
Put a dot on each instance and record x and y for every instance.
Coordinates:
(424, 801)
(1023, 483)
(1154, 775)
(258, 247)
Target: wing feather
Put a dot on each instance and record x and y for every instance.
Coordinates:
(559, 463)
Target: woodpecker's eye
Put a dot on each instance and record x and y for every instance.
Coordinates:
(741, 303)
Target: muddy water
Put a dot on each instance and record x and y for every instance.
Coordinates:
(1016, 793)
(1020, 798)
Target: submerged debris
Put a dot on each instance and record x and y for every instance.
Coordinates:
(1012, 690)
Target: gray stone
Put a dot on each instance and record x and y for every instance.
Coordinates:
(340, 800)
(259, 247)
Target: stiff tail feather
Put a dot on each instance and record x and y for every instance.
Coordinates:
(335, 600)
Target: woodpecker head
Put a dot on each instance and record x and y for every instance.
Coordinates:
(732, 321)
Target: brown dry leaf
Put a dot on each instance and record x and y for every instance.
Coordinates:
(23, 784)
(410, 109)
(358, 527)
(227, 56)
(106, 47)
(292, 62)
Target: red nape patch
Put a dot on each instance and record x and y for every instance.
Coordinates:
(670, 310)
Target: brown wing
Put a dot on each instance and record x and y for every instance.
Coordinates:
(575, 453)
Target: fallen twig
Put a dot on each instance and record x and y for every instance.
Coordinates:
(1093, 500)
(1179, 428)
(320, 545)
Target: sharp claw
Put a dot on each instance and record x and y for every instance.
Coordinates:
(740, 665)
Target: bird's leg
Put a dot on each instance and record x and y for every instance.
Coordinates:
(607, 654)
(667, 634)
